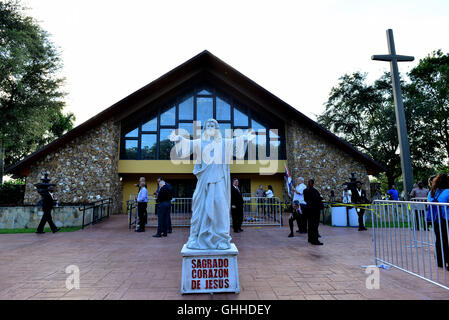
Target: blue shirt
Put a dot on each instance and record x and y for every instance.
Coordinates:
(394, 194)
(443, 197)
(143, 195)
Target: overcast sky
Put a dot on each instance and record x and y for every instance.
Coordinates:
(297, 50)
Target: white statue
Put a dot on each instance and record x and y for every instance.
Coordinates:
(211, 201)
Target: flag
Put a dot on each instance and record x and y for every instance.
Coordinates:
(288, 181)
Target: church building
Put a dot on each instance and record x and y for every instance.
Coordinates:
(105, 156)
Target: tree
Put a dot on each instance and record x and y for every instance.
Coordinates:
(31, 101)
(360, 114)
(363, 114)
(430, 88)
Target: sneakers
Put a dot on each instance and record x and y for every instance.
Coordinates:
(290, 235)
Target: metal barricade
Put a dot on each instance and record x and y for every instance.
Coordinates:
(256, 212)
(405, 239)
(96, 211)
(262, 211)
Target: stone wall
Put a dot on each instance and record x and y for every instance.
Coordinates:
(83, 169)
(313, 157)
(28, 217)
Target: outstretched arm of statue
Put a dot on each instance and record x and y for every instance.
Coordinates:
(184, 147)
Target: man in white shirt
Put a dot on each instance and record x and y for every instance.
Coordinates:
(298, 195)
(142, 200)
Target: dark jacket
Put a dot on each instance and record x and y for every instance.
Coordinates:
(47, 202)
(164, 194)
(356, 198)
(313, 199)
(236, 199)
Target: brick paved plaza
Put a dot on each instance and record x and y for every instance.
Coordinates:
(116, 263)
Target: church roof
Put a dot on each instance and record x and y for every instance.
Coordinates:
(202, 66)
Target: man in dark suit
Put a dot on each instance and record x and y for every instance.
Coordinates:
(48, 202)
(359, 197)
(236, 206)
(314, 204)
(158, 180)
(164, 197)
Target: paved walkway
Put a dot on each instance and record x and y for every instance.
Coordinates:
(116, 263)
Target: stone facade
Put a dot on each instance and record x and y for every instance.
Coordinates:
(313, 157)
(29, 217)
(84, 169)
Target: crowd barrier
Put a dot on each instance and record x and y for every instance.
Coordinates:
(96, 211)
(412, 236)
(256, 212)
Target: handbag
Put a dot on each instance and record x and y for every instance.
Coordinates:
(432, 211)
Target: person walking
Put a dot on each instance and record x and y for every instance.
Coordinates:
(299, 197)
(163, 209)
(419, 192)
(314, 204)
(142, 201)
(48, 201)
(359, 197)
(236, 206)
(439, 215)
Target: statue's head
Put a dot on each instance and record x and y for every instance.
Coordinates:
(211, 129)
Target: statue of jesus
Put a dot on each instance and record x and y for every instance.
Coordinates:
(211, 201)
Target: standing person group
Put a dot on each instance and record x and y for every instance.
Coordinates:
(306, 208)
(265, 201)
(163, 196)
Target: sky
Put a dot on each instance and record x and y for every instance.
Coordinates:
(297, 50)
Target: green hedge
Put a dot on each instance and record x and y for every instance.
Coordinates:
(11, 193)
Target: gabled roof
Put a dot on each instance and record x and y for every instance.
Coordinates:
(202, 66)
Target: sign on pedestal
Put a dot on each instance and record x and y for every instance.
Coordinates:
(208, 271)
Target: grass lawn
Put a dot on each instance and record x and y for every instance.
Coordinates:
(10, 231)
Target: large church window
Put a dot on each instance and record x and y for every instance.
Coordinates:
(146, 136)
(149, 146)
(204, 109)
(186, 109)
(168, 118)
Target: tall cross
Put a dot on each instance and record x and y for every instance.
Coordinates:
(393, 58)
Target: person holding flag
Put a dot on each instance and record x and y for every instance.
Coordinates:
(288, 181)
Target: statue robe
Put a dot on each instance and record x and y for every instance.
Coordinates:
(211, 203)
